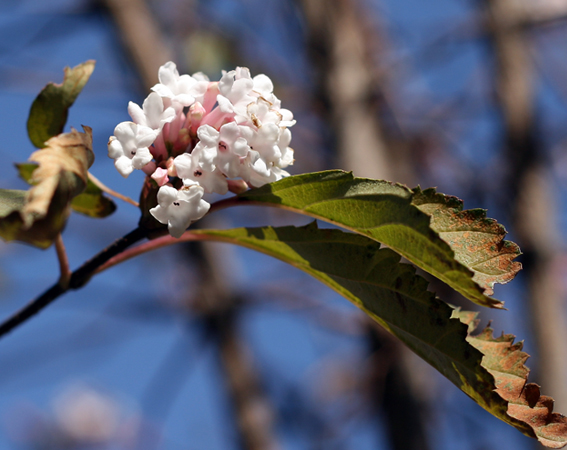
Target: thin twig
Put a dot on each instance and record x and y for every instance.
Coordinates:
(78, 278)
(154, 244)
(63, 262)
(109, 191)
(108, 257)
(163, 239)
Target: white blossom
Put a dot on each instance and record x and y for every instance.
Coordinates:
(182, 89)
(129, 147)
(178, 208)
(286, 151)
(223, 148)
(193, 136)
(235, 88)
(190, 170)
(265, 142)
(153, 113)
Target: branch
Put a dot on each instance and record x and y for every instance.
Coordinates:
(63, 261)
(79, 278)
(110, 256)
(113, 193)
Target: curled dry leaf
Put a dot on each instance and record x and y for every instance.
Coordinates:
(63, 166)
(62, 173)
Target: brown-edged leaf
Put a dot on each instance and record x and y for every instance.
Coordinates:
(435, 236)
(49, 110)
(490, 371)
(39, 215)
(504, 360)
(92, 202)
(478, 241)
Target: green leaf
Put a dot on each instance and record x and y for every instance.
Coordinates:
(381, 210)
(93, 203)
(394, 296)
(58, 174)
(49, 110)
(42, 231)
(11, 200)
(26, 171)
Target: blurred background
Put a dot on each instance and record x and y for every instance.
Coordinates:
(211, 347)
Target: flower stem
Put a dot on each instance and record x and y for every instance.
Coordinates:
(63, 262)
(114, 254)
(146, 247)
(109, 191)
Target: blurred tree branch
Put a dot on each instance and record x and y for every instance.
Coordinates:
(142, 37)
(146, 44)
(354, 94)
(528, 196)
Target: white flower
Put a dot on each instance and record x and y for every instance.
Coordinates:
(265, 142)
(207, 134)
(286, 151)
(191, 171)
(260, 112)
(257, 172)
(182, 89)
(178, 209)
(235, 88)
(153, 113)
(223, 148)
(232, 147)
(264, 87)
(129, 147)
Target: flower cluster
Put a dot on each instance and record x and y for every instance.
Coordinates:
(193, 136)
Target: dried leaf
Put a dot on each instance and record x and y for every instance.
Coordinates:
(92, 202)
(504, 360)
(61, 174)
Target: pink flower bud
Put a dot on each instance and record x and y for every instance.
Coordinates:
(160, 176)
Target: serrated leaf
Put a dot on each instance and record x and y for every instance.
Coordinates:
(60, 174)
(49, 110)
(505, 360)
(478, 241)
(378, 209)
(488, 370)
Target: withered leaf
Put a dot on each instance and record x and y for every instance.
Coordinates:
(61, 174)
(504, 360)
